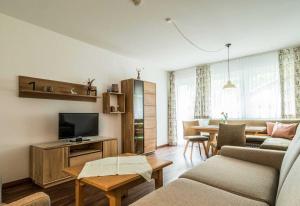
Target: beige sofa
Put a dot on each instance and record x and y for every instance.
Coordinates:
(37, 199)
(262, 140)
(238, 176)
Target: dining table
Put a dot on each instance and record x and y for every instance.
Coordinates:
(213, 130)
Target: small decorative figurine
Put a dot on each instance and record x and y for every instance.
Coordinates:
(90, 87)
(115, 88)
(33, 85)
(73, 91)
(139, 70)
(49, 89)
(113, 109)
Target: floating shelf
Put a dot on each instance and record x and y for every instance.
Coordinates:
(61, 90)
(113, 99)
(117, 112)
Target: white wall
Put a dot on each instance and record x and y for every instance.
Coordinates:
(26, 49)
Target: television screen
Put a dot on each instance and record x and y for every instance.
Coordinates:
(73, 125)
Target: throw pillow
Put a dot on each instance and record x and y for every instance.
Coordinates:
(287, 131)
(270, 126)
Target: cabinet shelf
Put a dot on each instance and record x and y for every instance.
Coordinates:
(113, 99)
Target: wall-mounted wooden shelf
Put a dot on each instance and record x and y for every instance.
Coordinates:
(61, 90)
(113, 99)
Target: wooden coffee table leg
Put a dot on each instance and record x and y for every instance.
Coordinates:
(124, 193)
(159, 179)
(78, 193)
(114, 197)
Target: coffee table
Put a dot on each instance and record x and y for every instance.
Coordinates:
(115, 186)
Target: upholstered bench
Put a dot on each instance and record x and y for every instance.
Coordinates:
(267, 142)
(276, 144)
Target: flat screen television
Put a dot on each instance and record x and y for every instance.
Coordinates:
(77, 125)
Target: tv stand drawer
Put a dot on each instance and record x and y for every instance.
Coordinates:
(80, 160)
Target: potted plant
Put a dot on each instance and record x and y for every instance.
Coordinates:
(224, 118)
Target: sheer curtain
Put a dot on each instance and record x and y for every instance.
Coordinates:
(185, 84)
(258, 88)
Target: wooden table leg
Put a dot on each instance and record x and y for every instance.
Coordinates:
(78, 193)
(205, 149)
(114, 197)
(159, 179)
(212, 137)
(124, 193)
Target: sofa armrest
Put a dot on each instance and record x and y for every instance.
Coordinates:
(37, 199)
(272, 158)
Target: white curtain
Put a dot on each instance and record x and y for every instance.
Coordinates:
(185, 84)
(258, 87)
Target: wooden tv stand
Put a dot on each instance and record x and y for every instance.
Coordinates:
(47, 160)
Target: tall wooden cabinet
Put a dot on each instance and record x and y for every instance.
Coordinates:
(139, 121)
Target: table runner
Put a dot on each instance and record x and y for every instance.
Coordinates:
(123, 165)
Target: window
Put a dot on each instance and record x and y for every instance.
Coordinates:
(185, 84)
(258, 88)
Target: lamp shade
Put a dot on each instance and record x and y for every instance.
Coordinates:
(229, 85)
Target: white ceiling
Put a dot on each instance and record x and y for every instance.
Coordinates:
(252, 26)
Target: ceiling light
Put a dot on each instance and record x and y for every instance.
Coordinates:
(229, 84)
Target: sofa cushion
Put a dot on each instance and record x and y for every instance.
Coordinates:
(276, 144)
(289, 193)
(236, 176)
(284, 130)
(270, 126)
(256, 138)
(185, 192)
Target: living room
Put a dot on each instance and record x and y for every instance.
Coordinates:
(151, 85)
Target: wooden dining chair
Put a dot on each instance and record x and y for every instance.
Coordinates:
(232, 135)
(192, 136)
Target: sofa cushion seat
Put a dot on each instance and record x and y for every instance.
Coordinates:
(276, 144)
(243, 178)
(256, 138)
(185, 192)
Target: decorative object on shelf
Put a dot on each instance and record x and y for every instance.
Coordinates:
(139, 70)
(90, 87)
(224, 118)
(137, 2)
(229, 84)
(33, 85)
(73, 91)
(113, 109)
(50, 89)
(115, 88)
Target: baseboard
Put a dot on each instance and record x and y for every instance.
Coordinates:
(163, 145)
(16, 182)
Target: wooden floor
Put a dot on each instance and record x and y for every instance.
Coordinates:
(63, 195)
